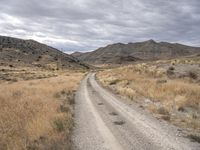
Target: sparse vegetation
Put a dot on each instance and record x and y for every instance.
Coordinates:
(152, 87)
(31, 52)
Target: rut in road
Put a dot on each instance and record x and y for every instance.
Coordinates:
(105, 122)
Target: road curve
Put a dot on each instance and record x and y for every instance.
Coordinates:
(105, 122)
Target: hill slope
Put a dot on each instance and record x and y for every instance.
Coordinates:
(15, 51)
(148, 50)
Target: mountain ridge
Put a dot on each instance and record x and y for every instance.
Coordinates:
(119, 53)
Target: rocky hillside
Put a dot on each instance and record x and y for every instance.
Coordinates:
(15, 52)
(148, 50)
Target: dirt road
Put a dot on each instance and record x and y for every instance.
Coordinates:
(105, 122)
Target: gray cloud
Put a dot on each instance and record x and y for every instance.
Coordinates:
(73, 25)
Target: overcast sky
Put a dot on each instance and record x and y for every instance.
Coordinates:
(82, 25)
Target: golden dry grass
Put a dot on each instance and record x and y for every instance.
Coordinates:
(37, 114)
(165, 96)
(11, 74)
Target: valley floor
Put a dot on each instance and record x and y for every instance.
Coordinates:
(140, 106)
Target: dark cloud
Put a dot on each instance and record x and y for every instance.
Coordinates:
(88, 24)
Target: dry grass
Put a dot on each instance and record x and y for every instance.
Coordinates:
(10, 74)
(150, 86)
(37, 114)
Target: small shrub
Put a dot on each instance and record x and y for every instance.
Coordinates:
(114, 82)
(171, 68)
(170, 71)
(59, 125)
(181, 109)
(173, 63)
(193, 75)
(194, 138)
(163, 111)
(63, 92)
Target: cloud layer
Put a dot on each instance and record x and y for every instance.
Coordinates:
(81, 25)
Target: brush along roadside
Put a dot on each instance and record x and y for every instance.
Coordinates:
(172, 99)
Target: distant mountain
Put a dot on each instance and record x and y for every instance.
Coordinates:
(15, 51)
(125, 53)
(76, 54)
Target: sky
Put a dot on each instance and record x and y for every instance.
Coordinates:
(85, 25)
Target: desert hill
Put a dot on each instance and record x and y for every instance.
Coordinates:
(17, 52)
(148, 50)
